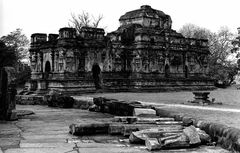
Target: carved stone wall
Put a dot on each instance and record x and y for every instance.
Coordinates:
(143, 53)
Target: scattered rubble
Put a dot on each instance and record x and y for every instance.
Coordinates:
(141, 126)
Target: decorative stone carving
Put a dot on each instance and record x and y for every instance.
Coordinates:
(143, 53)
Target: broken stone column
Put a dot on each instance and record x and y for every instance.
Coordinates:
(8, 93)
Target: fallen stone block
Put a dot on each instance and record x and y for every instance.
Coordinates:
(170, 127)
(179, 142)
(187, 121)
(125, 119)
(192, 135)
(137, 138)
(145, 120)
(115, 128)
(169, 123)
(98, 101)
(82, 104)
(140, 136)
(170, 136)
(129, 128)
(89, 129)
(204, 137)
(94, 108)
(144, 112)
(152, 144)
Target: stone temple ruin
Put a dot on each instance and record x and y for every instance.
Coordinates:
(144, 54)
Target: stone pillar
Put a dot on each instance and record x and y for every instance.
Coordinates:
(52, 55)
(56, 69)
(8, 92)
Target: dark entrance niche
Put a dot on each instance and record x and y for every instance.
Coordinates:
(47, 70)
(47, 67)
(96, 76)
(167, 70)
(186, 71)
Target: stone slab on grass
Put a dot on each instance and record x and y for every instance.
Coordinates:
(144, 112)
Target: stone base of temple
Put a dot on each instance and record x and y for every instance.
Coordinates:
(79, 86)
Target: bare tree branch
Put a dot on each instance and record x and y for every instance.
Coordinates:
(84, 20)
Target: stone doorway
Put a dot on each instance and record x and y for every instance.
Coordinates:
(46, 74)
(167, 70)
(186, 71)
(96, 71)
(47, 69)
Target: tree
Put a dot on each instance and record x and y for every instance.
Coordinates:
(84, 20)
(13, 50)
(18, 42)
(194, 31)
(7, 55)
(220, 45)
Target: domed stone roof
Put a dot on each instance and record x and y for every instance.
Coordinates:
(147, 17)
(144, 11)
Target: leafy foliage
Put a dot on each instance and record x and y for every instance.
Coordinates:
(7, 55)
(14, 49)
(19, 42)
(221, 67)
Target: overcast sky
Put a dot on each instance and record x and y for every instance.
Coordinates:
(48, 16)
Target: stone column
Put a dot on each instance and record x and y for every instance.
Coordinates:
(52, 55)
(56, 62)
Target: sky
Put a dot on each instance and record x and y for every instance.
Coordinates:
(48, 16)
